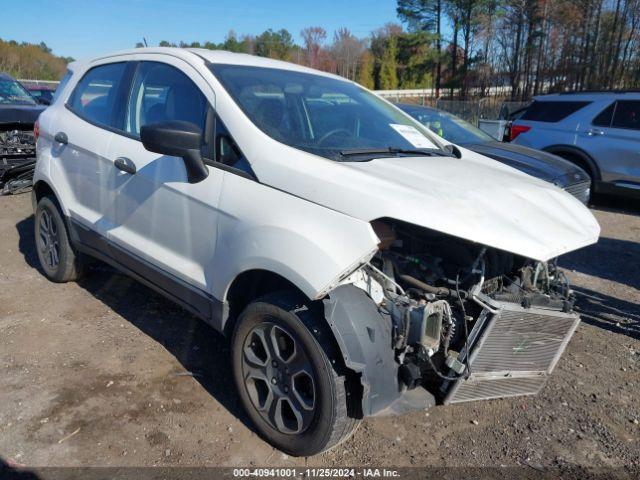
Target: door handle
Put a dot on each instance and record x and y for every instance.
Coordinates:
(592, 132)
(61, 137)
(124, 164)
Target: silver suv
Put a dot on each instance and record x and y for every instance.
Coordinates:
(598, 131)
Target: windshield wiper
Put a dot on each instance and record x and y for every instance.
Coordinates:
(429, 152)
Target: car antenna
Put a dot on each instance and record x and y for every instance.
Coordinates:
(144, 40)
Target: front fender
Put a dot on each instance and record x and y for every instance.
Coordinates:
(262, 228)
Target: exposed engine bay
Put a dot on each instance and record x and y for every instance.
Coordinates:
(469, 322)
(17, 157)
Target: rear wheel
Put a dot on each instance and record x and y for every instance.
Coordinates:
(58, 259)
(285, 378)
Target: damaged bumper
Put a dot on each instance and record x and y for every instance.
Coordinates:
(513, 352)
(448, 345)
(17, 158)
(364, 336)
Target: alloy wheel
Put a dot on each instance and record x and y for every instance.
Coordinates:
(49, 239)
(279, 378)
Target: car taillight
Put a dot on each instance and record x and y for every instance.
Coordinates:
(517, 130)
(36, 130)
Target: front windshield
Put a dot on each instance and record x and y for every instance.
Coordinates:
(450, 127)
(322, 115)
(11, 92)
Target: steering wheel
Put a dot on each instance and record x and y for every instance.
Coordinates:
(331, 133)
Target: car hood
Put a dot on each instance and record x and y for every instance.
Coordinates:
(474, 198)
(543, 165)
(20, 114)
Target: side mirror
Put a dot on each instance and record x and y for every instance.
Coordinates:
(178, 139)
(43, 101)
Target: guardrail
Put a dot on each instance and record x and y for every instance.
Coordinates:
(409, 93)
(431, 92)
(35, 83)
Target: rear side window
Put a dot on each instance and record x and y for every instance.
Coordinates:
(541, 111)
(61, 85)
(161, 93)
(603, 119)
(97, 97)
(627, 115)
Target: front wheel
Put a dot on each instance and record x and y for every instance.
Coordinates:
(285, 378)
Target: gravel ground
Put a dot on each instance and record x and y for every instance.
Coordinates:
(108, 373)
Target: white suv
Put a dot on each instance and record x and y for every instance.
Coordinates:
(353, 258)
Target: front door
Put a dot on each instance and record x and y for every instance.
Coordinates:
(165, 228)
(613, 140)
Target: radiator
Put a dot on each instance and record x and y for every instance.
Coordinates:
(515, 353)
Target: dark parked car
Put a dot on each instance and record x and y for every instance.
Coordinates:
(537, 163)
(43, 95)
(18, 114)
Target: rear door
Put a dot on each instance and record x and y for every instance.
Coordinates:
(547, 122)
(81, 167)
(164, 226)
(613, 140)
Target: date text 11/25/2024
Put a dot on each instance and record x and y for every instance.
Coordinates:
(315, 472)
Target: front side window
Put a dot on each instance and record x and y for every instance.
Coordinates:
(97, 96)
(627, 115)
(318, 114)
(543, 111)
(227, 150)
(162, 93)
(12, 93)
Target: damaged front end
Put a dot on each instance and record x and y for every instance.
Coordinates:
(464, 321)
(17, 157)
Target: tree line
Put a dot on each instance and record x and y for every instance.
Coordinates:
(462, 48)
(531, 46)
(31, 61)
(389, 58)
(459, 48)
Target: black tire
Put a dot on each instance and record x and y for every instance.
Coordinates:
(58, 259)
(332, 420)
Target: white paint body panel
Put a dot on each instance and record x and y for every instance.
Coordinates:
(473, 198)
(310, 245)
(307, 218)
(158, 215)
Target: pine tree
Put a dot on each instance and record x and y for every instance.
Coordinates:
(425, 16)
(365, 72)
(388, 66)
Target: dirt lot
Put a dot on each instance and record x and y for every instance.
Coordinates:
(97, 373)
